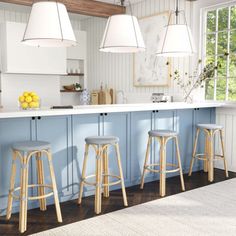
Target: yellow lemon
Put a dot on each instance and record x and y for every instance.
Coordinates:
(32, 105)
(35, 98)
(26, 94)
(28, 99)
(21, 99)
(33, 94)
(24, 105)
(36, 104)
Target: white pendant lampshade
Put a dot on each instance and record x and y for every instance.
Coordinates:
(49, 26)
(176, 41)
(122, 35)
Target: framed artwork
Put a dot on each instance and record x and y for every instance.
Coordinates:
(150, 70)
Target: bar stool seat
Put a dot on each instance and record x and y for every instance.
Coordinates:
(25, 151)
(101, 140)
(162, 133)
(101, 145)
(31, 146)
(209, 126)
(162, 137)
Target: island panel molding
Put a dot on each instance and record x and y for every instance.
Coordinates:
(148, 69)
(84, 7)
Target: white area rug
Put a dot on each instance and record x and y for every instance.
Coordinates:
(209, 211)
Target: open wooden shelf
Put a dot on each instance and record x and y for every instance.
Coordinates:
(75, 74)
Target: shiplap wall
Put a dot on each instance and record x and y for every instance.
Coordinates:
(117, 70)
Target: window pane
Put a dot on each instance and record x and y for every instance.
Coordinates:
(221, 89)
(232, 89)
(232, 65)
(210, 44)
(211, 21)
(233, 18)
(209, 89)
(222, 42)
(223, 19)
(222, 66)
(233, 41)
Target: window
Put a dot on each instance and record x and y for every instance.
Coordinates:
(220, 49)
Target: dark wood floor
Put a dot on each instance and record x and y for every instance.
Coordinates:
(39, 221)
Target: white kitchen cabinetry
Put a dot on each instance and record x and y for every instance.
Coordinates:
(22, 59)
(78, 52)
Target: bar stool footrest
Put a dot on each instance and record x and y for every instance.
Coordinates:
(103, 175)
(149, 168)
(202, 158)
(34, 197)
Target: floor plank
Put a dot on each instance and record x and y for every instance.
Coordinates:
(39, 221)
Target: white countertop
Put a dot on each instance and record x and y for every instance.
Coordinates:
(93, 109)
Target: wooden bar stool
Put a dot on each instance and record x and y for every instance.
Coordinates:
(100, 145)
(162, 136)
(210, 131)
(25, 151)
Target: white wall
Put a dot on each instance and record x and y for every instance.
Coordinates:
(117, 70)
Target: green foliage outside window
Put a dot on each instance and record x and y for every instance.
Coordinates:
(221, 50)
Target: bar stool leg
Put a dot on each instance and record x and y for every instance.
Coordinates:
(23, 194)
(194, 152)
(179, 163)
(41, 190)
(210, 157)
(121, 174)
(105, 170)
(145, 162)
(83, 173)
(54, 186)
(98, 181)
(205, 162)
(223, 154)
(163, 167)
(12, 185)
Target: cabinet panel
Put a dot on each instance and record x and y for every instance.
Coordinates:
(117, 125)
(11, 130)
(140, 125)
(165, 120)
(20, 58)
(78, 51)
(56, 130)
(185, 128)
(83, 126)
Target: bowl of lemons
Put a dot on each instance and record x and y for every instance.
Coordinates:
(29, 101)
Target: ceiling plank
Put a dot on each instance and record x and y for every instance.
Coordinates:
(84, 7)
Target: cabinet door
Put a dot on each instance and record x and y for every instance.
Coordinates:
(78, 52)
(57, 131)
(185, 128)
(11, 130)
(165, 120)
(141, 123)
(83, 126)
(117, 124)
(20, 58)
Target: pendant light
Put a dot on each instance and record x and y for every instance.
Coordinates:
(122, 34)
(176, 39)
(49, 26)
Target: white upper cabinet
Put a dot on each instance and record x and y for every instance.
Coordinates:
(78, 52)
(19, 58)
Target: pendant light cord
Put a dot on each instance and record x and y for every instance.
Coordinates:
(177, 12)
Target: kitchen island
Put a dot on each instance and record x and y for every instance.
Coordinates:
(66, 130)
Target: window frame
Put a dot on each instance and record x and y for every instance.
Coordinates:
(203, 54)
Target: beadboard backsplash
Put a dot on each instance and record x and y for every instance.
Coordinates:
(116, 71)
